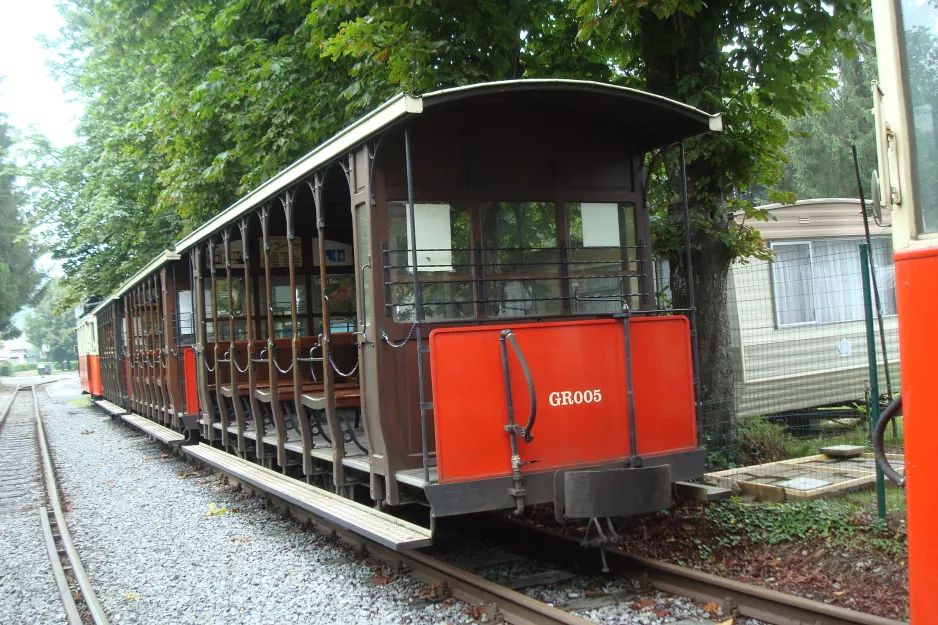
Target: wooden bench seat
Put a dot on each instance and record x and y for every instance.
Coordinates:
(349, 397)
(312, 388)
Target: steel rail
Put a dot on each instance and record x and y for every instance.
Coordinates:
(89, 596)
(499, 602)
(748, 600)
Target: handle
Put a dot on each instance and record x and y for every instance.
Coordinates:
(890, 413)
(524, 432)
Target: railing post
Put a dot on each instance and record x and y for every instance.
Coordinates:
(874, 374)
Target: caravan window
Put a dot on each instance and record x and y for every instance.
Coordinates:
(819, 281)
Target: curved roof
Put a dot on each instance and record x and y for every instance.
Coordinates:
(661, 121)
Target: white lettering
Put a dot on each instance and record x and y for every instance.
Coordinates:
(573, 398)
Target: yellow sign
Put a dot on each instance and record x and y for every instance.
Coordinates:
(280, 251)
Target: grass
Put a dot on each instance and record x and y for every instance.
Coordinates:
(81, 402)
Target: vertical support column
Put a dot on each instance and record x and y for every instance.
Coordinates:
(201, 365)
(248, 312)
(171, 342)
(874, 373)
(232, 354)
(418, 308)
(130, 354)
(332, 418)
(691, 303)
(299, 411)
(276, 411)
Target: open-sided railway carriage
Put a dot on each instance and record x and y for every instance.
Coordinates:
(449, 302)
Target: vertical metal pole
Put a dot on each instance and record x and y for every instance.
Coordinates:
(871, 356)
(418, 305)
(691, 302)
(879, 303)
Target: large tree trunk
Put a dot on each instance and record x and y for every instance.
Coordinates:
(682, 60)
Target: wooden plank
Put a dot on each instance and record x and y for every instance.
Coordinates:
(378, 526)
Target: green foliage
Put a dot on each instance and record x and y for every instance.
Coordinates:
(6, 369)
(18, 276)
(760, 440)
(50, 323)
(736, 523)
(820, 161)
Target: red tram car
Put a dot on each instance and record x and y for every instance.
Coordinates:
(450, 303)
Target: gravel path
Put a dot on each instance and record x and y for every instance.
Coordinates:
(27, 589)
(142, 521)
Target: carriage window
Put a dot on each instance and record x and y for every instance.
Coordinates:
(185, 319)
(237, 299)
(520, 259)
(283, 315)
(604, 260)
(444, 261)
(340, 289)
(364, 254)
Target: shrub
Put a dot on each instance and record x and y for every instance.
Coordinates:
(6, 369)
(760, 441)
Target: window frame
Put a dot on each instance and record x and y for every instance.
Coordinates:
(814, 293)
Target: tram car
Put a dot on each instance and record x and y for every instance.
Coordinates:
(904, 105)
(449, 303)
(89, 372)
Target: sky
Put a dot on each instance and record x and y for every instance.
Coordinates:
(29, 95)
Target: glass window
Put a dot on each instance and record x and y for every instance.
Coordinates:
(185, 318)
(364, 256)
(280, 289)
(444, 261)
(283, 328)
(240, 330)
(340, 289)
(520, 259)
(920, 20)
(820, 281)
(221, 294)
(603, 259)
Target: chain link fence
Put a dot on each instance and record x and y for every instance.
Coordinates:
(798, 426)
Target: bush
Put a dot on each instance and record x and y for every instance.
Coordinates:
(761, 441)
(6, 369)
(26, 366)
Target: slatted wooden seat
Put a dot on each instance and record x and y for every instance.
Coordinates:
(349, 397)
(285, 390)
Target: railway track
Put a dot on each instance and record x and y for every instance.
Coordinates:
(28, 484)
(506, 605)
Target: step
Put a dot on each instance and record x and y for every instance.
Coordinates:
(701, 492)
(114, 409)
(383, 528)
(153, 429)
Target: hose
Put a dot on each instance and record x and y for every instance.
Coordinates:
(532, 397)
(891, 411)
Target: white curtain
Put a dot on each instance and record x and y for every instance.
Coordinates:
(838, 283)
(794, 296)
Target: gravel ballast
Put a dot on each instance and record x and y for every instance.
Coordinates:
(27, 589)
(143, 522)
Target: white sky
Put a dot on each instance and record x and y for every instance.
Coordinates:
(29, 95)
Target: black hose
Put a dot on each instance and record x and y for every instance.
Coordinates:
(526, 431)
(893, 409)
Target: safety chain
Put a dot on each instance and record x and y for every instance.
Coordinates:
(341, 374)
(281, 370)
(234, 359)
(387, 339)
(205, 362)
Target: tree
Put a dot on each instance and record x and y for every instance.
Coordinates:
(197, 102)
(820, 162)
(51, 324)
(18, 275)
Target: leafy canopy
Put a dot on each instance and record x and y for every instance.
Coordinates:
(51, 323)
(18, 275)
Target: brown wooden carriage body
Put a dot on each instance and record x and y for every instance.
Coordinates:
(513, 150)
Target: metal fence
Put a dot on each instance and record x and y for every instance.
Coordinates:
(803, 384)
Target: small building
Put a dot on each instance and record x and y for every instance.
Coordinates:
(797, 322)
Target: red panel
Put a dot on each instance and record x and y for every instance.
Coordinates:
(192, 395)
(83, 372)
(581, 358)
(94, 376)
(917, 296)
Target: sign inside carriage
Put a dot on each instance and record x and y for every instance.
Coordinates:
(280, 251)
(337, 254)
(578, 373)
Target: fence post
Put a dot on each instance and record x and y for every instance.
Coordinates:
(874, 372)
